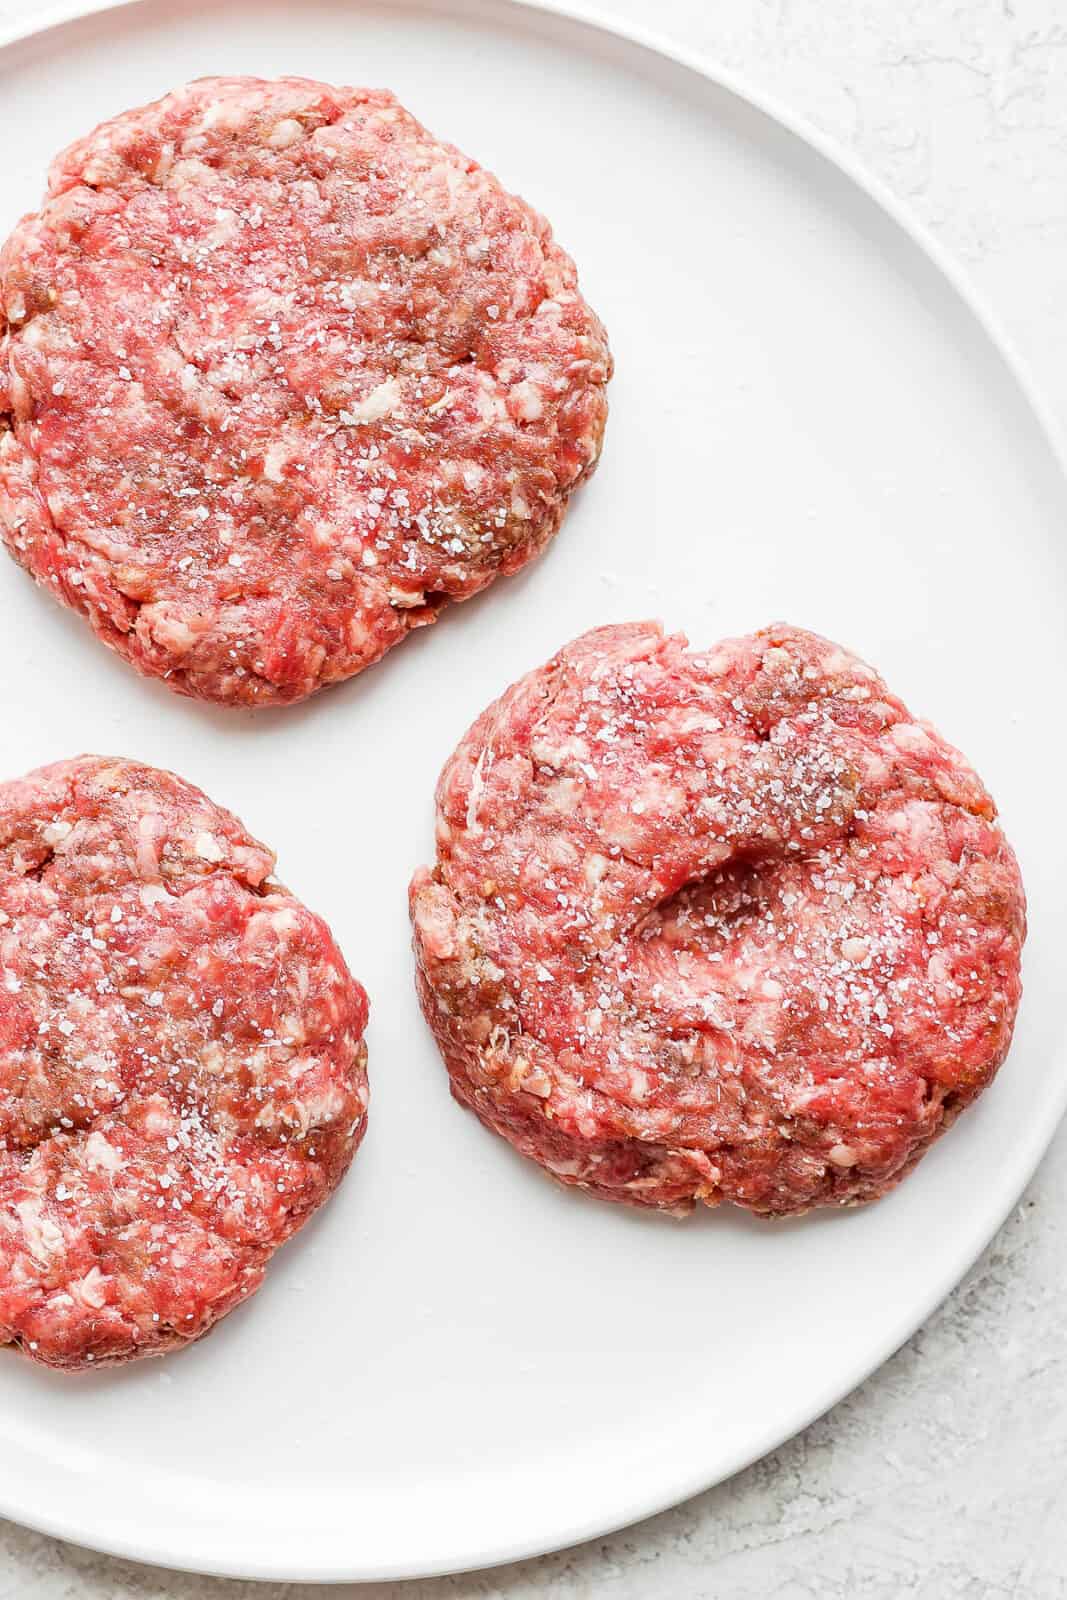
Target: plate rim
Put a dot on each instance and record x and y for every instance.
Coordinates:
(649, 41)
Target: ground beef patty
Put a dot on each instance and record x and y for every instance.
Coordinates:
(716, 925)
(280, 374)
(182, 1072)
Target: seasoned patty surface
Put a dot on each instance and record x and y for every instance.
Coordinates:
(182, 1072)
(280, 374)
(722, 925)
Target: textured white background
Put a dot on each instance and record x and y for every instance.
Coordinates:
(946, 1475)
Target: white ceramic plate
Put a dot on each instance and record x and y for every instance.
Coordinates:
(458, 1363)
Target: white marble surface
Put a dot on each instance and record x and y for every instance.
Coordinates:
(946, 1474)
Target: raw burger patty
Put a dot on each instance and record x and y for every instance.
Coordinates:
(716, 925)
(182, 1071)
(281, 373)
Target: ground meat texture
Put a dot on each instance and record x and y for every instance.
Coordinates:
(280, 374)
(727, 925)
(182, 1067)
